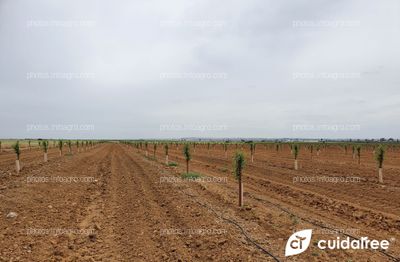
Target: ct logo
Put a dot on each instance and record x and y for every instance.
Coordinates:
(298, 242)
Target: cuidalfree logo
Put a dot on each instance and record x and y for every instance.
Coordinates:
(298, 242)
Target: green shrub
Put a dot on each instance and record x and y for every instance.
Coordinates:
(16, 149)
(172, 164)
(238, 165)
(295, 150)
(188, 156)
(45, 145)
(358, 148)
(166, 149)
(60, 144)
(191, 175)
(380, 155)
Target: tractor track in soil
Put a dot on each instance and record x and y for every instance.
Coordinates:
(316, 210)
(377, 195)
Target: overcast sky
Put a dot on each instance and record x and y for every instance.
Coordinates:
(183, 68)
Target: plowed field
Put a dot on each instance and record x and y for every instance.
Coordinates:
(114, 203)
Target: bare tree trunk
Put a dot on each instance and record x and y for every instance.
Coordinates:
(166, 160)
(187, 166)
(380, 174)
(252, 158)
(240, 192)
(296, 166)
(45, 157)
(17, 165)
(60, 152)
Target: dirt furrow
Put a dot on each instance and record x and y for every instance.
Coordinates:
(188, 232)
(270, 174)
(48, 211)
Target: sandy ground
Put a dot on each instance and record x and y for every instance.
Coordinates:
(124, 206)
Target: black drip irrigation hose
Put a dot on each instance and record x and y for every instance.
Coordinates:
(396, 259)
(265, 251)
(383, 252)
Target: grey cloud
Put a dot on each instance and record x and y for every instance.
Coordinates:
(132, 43)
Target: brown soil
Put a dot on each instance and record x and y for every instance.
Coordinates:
(130, 212)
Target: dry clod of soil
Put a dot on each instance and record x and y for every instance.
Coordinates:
(358, 214)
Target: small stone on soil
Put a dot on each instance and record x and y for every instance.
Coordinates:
(12, 215)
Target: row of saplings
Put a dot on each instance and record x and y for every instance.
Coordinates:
(239, 162)
(238, 165)
(295, 149)
(44, 145)
(239, 159)
(379, 153)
